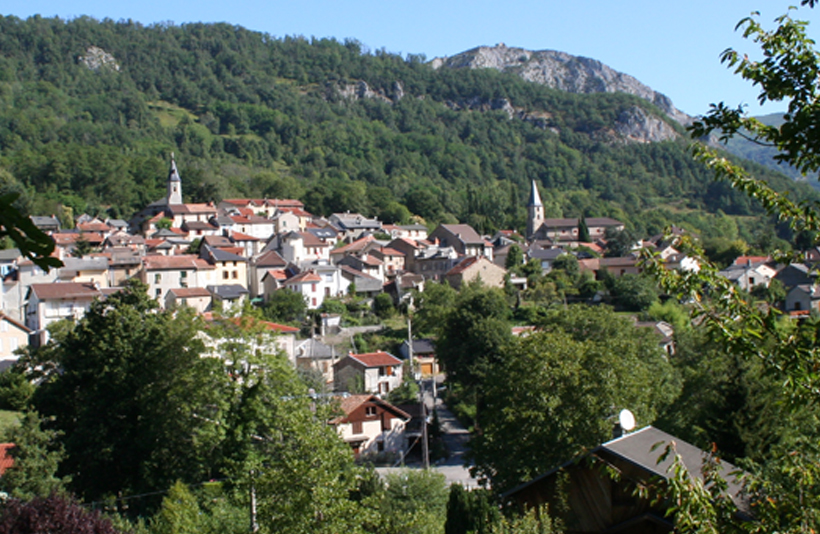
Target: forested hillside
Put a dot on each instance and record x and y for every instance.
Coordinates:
(337, 126)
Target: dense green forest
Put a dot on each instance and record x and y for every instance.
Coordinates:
(252, 115)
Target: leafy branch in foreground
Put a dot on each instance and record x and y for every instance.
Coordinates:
(783, 494)
(789, 71)
(32, 242)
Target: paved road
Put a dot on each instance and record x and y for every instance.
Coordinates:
(455, 438)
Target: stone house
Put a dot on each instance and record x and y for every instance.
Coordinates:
(472, 268)
(463, 238)
(373, 372)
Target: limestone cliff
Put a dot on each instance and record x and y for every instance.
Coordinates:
(560, 70)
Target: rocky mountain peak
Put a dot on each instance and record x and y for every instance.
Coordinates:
(574, 74)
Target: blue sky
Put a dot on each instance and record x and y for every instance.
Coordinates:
(673, 47)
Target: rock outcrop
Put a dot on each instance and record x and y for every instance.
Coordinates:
(560, 70)
(96, 58)
(637, 125)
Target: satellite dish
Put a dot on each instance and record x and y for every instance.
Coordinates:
(627, 420)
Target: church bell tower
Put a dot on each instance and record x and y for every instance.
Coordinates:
(174, 184)
(535, 212)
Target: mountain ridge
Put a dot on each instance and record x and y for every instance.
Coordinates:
(560, 70)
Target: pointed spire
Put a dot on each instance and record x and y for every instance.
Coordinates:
(174, 196)
(173, 174)
(535, 198)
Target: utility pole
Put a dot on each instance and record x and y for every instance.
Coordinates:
(254, 524)
(425, 452)
(425, 447)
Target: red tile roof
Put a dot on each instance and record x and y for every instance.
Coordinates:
(299, 212)
(350, 403)
(311, 240)
(357, 245)
(751, 260)
(238, 236)
(276, 327)
(376, 359)
(190, 292)
(463, 265)
(387, 251)
(250, 219)
(93, 227)
(250, 322)
(276, 202)
(278, 274)
(270, 258)
(192, 208)
(179, 262)
(67, 290)
(303, 278)
(6, 460)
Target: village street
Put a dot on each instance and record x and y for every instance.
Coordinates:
(455, 438)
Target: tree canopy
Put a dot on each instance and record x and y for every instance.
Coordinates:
(783, 490)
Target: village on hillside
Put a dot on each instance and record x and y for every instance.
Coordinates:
(219, 258)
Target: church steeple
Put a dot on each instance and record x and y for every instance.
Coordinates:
(535, 212)
(174, 184)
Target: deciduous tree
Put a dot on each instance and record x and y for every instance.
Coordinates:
(562, 386)
(129, 398)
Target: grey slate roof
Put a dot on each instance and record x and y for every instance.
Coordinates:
(228, 292)
(45, 222)
(223, 255)
(421, 347)
(85, 264)
(642, 448)
(323, 233)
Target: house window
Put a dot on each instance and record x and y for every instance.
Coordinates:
(224, 275)
(183, 274)
(235, 275)
(357, 427)
(158, 292)
(13, 346)
(370, 411)
(314, 301)
(313, 288)
(4, 326)
(751, 280)
(380, 446)
(157, 278)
